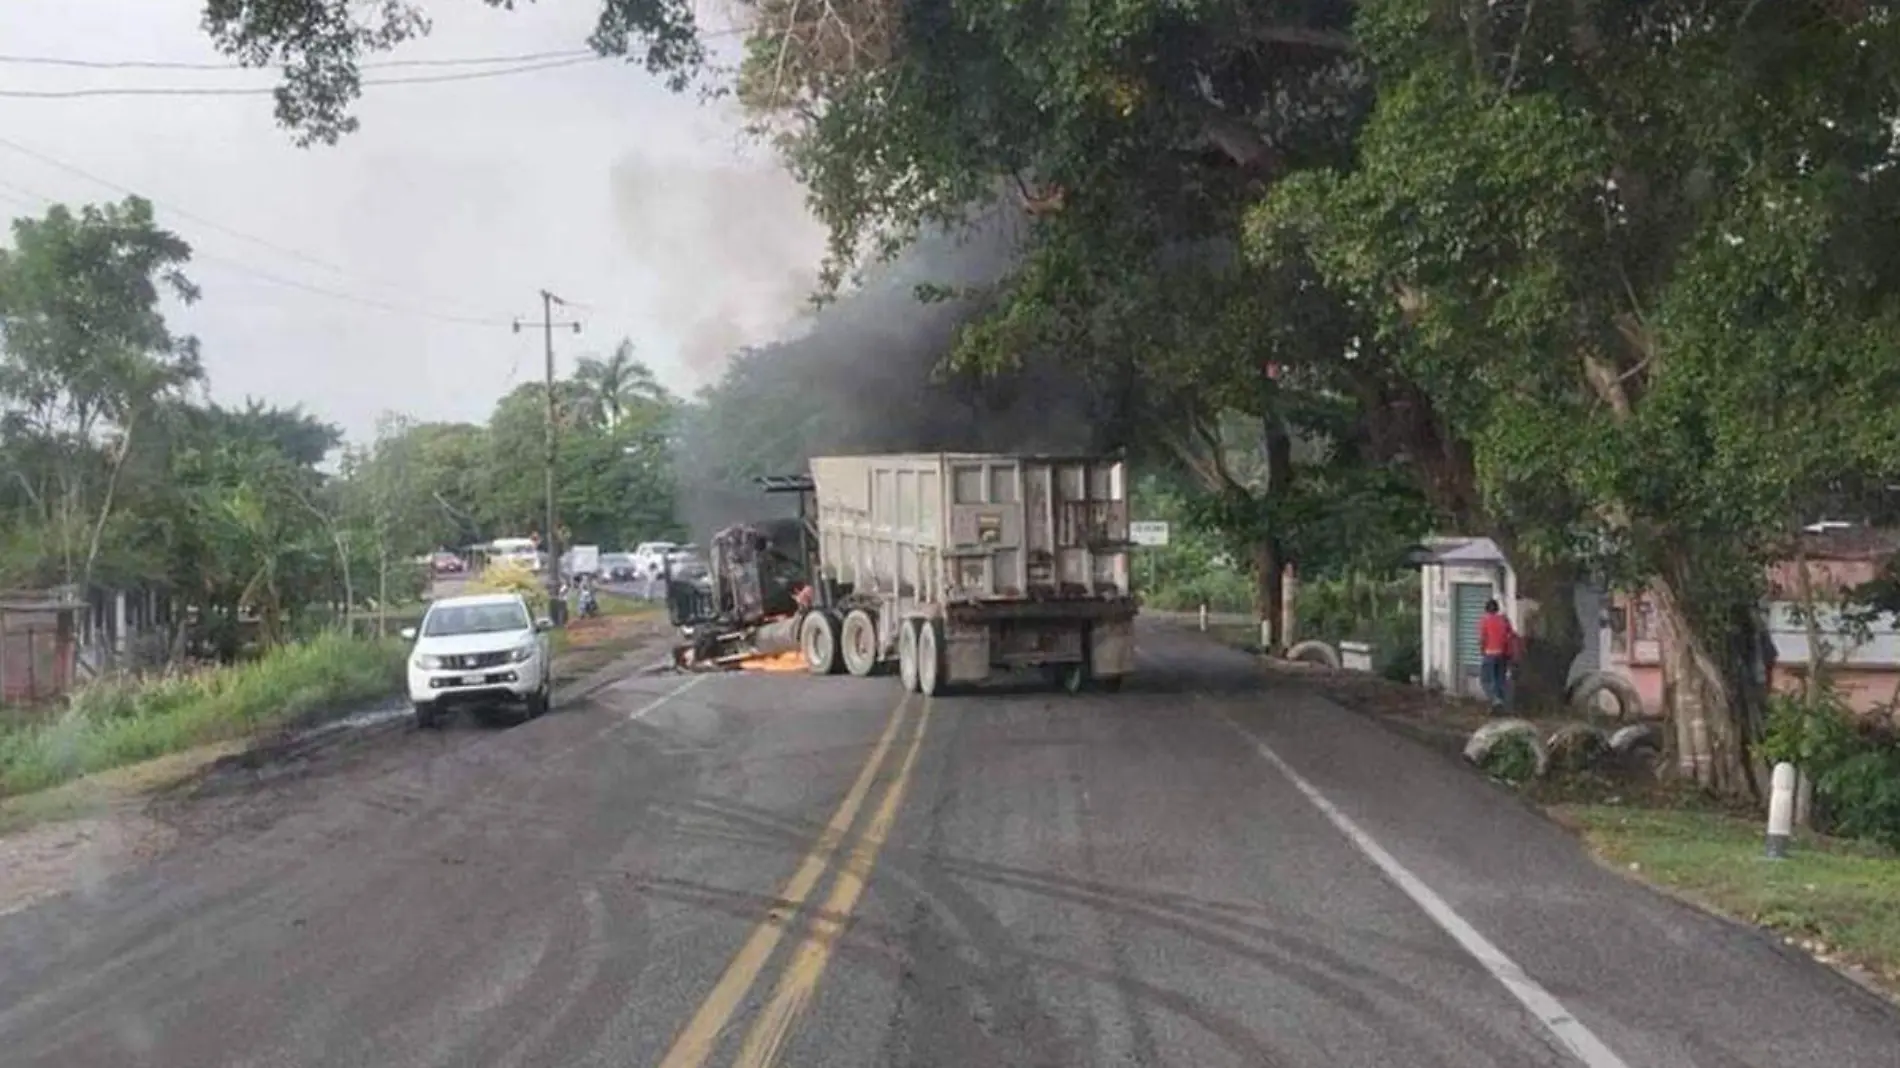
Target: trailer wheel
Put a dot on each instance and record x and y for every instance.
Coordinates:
(929, 658)
(859, 640)
(820, 638)
(1112, 683)
(907, 655)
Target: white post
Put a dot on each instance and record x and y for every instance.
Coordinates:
(1780, 811)
(1203, 617)
(118, 624)
(1266, 637)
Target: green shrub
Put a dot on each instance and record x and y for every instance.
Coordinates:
(116, 722)
(1853, 762)
(1357, 607)
(1513, 759)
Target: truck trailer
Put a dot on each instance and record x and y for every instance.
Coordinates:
(949, 565)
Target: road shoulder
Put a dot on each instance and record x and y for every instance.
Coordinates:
(101, 825)
(1660, 981)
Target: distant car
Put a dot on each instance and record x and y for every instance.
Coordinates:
(649, 558)
(447, 563)
(619, 567)
(484, 649)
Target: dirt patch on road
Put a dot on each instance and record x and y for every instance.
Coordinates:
(75, 835)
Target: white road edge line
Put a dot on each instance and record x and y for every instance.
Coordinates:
(641, 712)
(1577, 1038)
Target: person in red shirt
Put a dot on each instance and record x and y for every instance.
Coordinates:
(1497, 643)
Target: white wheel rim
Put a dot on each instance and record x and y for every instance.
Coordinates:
(858, 640)
(816, 641)
(927, 660)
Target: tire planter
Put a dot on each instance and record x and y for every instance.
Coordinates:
(1489, 737)
(1315, 652)
(1577, 746)
(1629, 703)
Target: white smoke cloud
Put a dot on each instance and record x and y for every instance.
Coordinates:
(733, 251)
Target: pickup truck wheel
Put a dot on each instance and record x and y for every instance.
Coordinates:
(907, 655)
(427, 718)
(819, 636)
(540, 700)
(859, 639)
(929, 658)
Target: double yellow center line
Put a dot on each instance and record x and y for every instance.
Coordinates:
(764, 1042)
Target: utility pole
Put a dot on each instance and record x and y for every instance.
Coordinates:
(557, 608)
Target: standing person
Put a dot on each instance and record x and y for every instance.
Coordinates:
(1497, 643)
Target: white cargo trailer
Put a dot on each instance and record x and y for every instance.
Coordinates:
(955, 565)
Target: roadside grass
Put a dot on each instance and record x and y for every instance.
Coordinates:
(94, 794)
(111, 724)
(1834, 898)
(585, 646)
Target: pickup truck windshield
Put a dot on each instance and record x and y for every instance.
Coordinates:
(474, 619)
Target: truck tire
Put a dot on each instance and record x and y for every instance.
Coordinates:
(858, 639)
(930, 681)
(907, 655)
(427, 717)
(819, 636)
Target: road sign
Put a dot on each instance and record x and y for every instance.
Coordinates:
(1148, 532)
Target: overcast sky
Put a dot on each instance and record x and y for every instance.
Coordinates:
(649, 210)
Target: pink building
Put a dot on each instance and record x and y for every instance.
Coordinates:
(1864, 667)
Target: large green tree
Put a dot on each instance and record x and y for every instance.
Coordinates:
(85, 356)
(1638, 251)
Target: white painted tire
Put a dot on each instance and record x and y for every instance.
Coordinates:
(1486, 738)
(1629, 703)
(1577, 746)
(1315, 652)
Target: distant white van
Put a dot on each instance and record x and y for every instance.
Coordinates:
(515, 550)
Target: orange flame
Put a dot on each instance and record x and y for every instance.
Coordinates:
(788, 661)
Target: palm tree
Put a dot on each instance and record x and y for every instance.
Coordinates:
(617, 383)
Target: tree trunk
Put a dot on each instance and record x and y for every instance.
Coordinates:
(1269, 556)
(1553, 638)
(382, 594)
(105, 506)
(349, 590)
(1701, 700)
(1269, 592)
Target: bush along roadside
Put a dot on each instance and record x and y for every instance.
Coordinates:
(113, 723)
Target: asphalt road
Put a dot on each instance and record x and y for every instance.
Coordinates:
(754, 869)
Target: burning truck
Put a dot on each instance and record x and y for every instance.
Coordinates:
(951, 565)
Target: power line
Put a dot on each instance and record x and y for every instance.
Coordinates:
(209, 224)
(231, 90)
(386, 64)
(527, 59)
(338, 294)
(18, 193)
